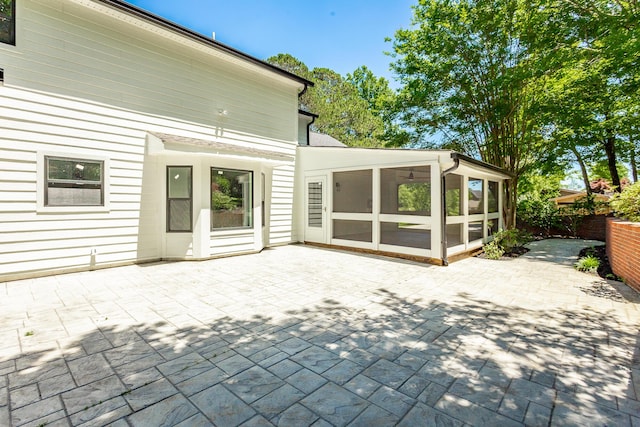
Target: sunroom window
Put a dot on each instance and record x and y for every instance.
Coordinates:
(476, 196)
(73, 182)
(8, 21)
(453, 194)
(406, 191)
(493, 197)
(353, 191)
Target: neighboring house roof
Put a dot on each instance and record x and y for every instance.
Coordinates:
(567, 192)
(321, 140)
(572, 197)
(186, 32)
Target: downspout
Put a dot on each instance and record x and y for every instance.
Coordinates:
(313, 119)
(306, 86)
(443, 195)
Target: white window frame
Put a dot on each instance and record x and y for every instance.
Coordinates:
(42, 183)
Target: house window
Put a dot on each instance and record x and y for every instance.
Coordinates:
(8, 21)
(179, 199)
(73, 182)
(231, 199)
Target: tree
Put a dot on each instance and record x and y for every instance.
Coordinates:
(344, 108)
(469, 75)
(600, 41)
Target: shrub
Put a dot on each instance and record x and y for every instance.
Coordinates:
(539, 213)
(505, 241)
(627, 204)
(588, 264)
(493, 251)
(512, 238)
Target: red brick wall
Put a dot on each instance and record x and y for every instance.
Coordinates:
(623, 250)
(590, 227)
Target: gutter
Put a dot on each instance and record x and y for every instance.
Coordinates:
(443, 195)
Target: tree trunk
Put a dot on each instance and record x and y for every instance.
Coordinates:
(634, 167)
(610, 149)
(583, 169)
(510, 203)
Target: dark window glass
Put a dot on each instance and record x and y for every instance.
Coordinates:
(476, 196)
(352, 191)
(404, 234)
(493, 196)
(179, 199)
(74, 182)
(476, 230)
(346, 229)
(231, 205)
(8, 21)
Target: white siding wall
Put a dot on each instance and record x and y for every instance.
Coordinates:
(83, 83)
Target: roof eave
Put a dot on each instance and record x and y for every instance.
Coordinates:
(467, 159)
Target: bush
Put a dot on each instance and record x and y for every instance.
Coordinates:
(512, 238)
(539, 213)
(627, 204)
(506, 241)
(588, 264)
(493, 251)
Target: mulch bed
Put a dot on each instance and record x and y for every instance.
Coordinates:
(600, 252)
(513, 253)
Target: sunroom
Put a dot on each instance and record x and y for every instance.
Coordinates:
(429, 205)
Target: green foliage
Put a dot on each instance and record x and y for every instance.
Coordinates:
(493, 250)
(511, 238)
(414, 197)
(470, 76)
(600, 169)
(588, 264)
(539, 213)
(505, 241)
(453, 202)
(627, 204)
(222, 201)
(352, 109)
(534, 205)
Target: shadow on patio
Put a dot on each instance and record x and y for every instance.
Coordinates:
(412, 363)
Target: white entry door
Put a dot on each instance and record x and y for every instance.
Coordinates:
(315, 221)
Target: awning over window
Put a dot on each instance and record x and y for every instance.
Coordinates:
(159, 143)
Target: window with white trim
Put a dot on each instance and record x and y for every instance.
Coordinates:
(231, 198)
(179, 199)
(73, 182)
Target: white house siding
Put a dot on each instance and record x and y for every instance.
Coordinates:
(84, 83)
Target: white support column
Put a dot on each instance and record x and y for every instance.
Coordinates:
(436, 210)
(375, 208)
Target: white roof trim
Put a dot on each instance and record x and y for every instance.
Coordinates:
(162, 143)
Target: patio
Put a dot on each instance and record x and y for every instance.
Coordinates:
(299, 335)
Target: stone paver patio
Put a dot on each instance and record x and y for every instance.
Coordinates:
(300, 336)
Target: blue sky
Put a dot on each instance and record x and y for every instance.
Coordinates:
(337, 34)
